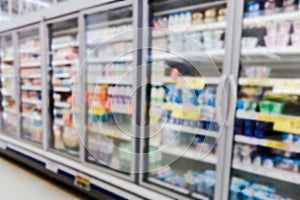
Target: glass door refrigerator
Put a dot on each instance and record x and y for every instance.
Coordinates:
(64, 66)
(8, 86)
(183, 126)
(30, 71)
(109, 66)
(266, 151)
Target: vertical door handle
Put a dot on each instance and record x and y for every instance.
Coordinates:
(233, 97)
(221, 100)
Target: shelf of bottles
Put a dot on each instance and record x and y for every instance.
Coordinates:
(186, 59)
(64, 57)
(109, 89)
(8, 86)
(31, 85)
(267, 121)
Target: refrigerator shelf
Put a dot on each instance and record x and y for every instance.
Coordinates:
(62, 104)
(273, 173)
(191, 130)
(62, 89)
(264, 82)
(32, 76)
(116, 135)
(267, 143)
(34, 88)
(194, 28)
(202, 54)
(10, 110)
(94, 44)
(65, 45)
(110, 81)
(31, 101)
(118, 58)
(30, 64)
(252, 115)
(62, 75)
(264, 19)
(189, 153)
(32, 116)
(271, 52)
(32, 50)
(8, 59)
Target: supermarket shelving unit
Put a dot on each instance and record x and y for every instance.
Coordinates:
(70, 60)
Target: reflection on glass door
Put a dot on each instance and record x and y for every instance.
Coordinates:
(186, 59)
(109, 89)
(64, 67)
(31, 85)
(8, 86)
(266, 155)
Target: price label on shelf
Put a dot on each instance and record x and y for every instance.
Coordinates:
(52, 166)
(276, 145)
(267, 118)
(186, 113)
(287, 87)
(190, 83)
(292, 126)
(82, 182)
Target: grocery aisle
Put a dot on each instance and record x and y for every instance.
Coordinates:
(19, 183)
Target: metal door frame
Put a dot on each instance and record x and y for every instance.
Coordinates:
(82, 27)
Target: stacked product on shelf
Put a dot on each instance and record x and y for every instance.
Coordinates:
(244, 189)
(8, 89)
(272, 35)
(266, 154)
(65, 68)
(271, 147)
(190, 24)
(108, 96)
(31, 86)
(192, 182)
(110, 44)
(257, 8)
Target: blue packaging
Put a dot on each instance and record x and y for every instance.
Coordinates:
(238, 131)
(210, 102)
(259, 133)
(287, 137)
(240, 105)
(249, 123)
(178, 96)
(296, 138)
(247, 194)
(248, 132)
(200, 124)
(260, 125)
(239, 122)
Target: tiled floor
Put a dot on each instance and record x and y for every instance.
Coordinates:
(18, 183)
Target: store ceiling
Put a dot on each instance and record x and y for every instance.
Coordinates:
(12, 8)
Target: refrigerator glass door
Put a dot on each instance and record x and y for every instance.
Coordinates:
(266, 152)
(31, 85)
(64, 66)
(186, 58)
(109, 78)
(8, 87)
